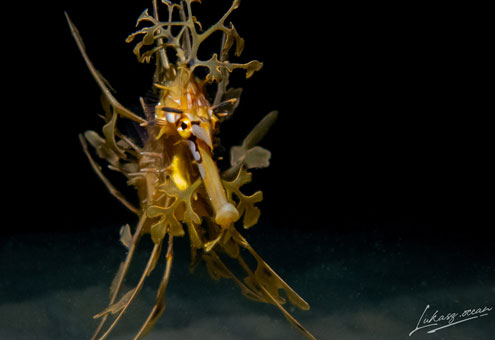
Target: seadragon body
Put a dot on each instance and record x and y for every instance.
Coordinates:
(173, 167)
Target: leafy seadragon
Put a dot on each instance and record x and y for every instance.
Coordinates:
(173, 168)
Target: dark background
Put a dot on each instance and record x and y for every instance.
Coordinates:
(381, 125)
(379, 192)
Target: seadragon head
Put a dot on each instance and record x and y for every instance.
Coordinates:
(184, 114)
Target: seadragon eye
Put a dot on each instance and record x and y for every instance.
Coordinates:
(184, 127)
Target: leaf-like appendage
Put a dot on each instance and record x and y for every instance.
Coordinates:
(246, 203)
(257, 157)
(265, 276)
(230, 246)
(102, 149)
(168, 222)
(187, 41)
(118, 306)
(126, 236)
(194, 236)
(229, 41)
(260, 130)
(109, 130)
(215, 268)
(249, 154)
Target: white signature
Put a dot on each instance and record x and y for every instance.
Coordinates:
(441, 321)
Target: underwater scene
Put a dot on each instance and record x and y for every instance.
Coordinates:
(364, 285)
(225, 169)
